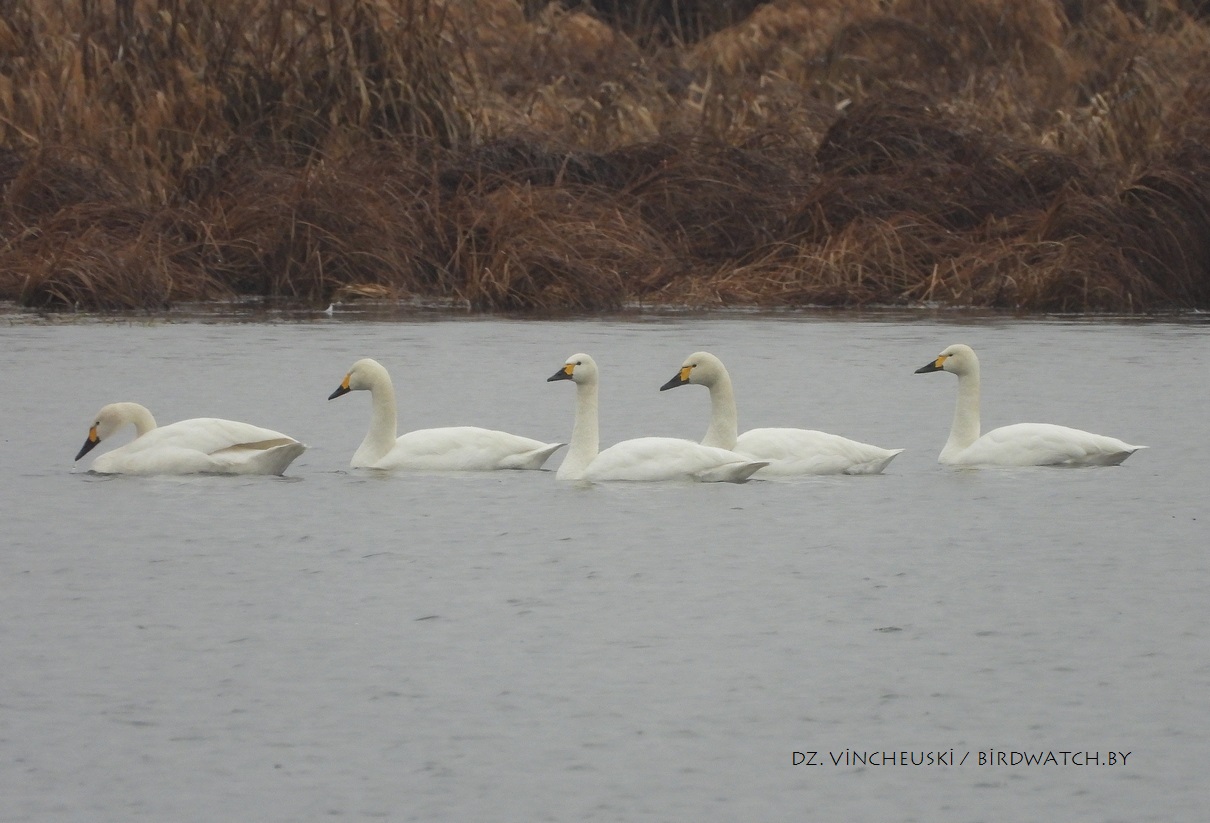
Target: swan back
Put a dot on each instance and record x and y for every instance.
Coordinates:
(670, 458)
(462, 448)
(795, 452)
(1042, 444)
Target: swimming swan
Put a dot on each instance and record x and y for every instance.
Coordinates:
(452, 448)
(645, 458)
(203, 444)
(789, 451)
(1022, 444)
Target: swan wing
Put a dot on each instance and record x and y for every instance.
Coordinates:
(1044, 444)
(805, 451)
(212, 435)
(465, 448)
(669, 458)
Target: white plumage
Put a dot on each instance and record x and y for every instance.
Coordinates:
(1021, 444)
(200, 445)
(451, 448)
(644, 458)
(789, 451)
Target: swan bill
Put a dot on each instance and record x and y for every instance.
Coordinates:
(564, 373)
(936, 365)
(341, 390)
(90, 443)
(680, 379)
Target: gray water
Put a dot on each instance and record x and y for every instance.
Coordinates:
(337, 644)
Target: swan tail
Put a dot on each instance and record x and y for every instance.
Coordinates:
(288, 454)
(874, 466)
(1111, 453)
(532, 459)
(732, 472)
(1115, 458)
(274, 460)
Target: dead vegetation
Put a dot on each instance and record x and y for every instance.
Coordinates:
(1033, 155)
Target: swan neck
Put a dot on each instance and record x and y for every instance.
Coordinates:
(383, 426)
(142, 419)
(585, 438)
(724, 419)
(965, 429)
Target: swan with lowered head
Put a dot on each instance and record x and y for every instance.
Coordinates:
(1021, 444)
(201, 445)
(452, 448)
(644, 458)
(789, 451)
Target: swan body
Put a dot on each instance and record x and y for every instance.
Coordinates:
(201, 445)
(1022, 444)
(789, 451)
(451, 448)
(644, 458)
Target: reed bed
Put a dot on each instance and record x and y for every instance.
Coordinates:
(1030, 155)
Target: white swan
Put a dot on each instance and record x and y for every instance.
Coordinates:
(203, 444)
(789, 451)
(645, 458)
(1022, 444)
(452, 448)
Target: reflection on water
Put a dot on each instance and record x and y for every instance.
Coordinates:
(505, 646)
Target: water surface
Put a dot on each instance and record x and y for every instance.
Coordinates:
(340, 644)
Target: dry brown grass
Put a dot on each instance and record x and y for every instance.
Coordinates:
(1035, 155)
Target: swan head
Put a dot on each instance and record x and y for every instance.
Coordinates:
(958, 359)
(579, 368)
(365, 375)
(702, 368)
(110, 419)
